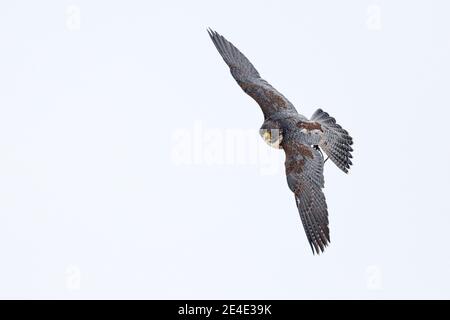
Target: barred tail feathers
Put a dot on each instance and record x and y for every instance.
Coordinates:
(335, 141)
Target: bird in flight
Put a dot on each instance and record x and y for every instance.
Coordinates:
(302, 140)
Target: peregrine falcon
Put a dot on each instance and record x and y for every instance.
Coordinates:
(302, 140)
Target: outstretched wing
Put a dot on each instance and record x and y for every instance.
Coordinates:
(304, 171)
(248, 78)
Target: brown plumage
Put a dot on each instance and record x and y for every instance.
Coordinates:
(300, 138)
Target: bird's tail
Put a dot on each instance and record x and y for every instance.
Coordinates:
(336, 141)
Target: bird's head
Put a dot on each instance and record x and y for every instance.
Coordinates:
(272, 133)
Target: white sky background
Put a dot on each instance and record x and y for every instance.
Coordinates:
(94, 202)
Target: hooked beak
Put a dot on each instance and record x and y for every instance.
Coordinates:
(267, 136)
